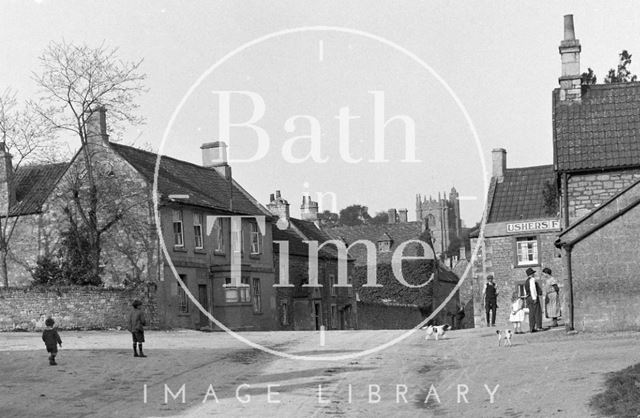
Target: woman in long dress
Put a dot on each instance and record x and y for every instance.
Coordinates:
(552, 299)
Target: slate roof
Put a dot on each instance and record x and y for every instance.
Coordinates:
(398, 232)
(519, 195)
(600, 132)
(33, 185)
(205, 186)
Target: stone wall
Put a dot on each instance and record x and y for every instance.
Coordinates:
(72, 308)
(379, 316)
(588, 191)
(605, 275)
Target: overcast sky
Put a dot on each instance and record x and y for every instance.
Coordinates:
(499, 58)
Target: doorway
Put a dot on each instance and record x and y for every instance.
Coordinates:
(317, 314)
(203, 298)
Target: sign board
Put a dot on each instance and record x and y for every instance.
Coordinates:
(530, 226)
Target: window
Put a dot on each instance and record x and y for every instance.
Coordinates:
(256, 295)
(334, 317)
(284, 308)
(218, 236)
(384, 246)
(334, 282)
(527, 251)
(256, 239)
(236, 294)
(197, 230)
(237, 241)
(183, 301)
(178, 238)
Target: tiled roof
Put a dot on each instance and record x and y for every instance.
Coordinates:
(398, 232)
(33, 185)
(205, 186)
(520, 194)
(296, 244)
(600, 132)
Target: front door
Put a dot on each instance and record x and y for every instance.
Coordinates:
(204, 301)
(317, 314)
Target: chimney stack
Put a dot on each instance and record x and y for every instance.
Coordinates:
(499, 162)
(7, 186)
(214, 155)
(278, 206)
(393, 216)
(570, 78)
(96, 127)
(403, 215)
(309, 209)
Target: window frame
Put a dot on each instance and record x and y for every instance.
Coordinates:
(255, 234)
(535, 250)
(243, 293)
(198, 228)
(178, 220)
(333, 281)
(256, 295)
(218, 227)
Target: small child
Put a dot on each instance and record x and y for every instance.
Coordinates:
(517, 314)
(137, 322)
(51, 340)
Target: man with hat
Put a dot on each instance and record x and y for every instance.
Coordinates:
(533, 291)
(490, 301)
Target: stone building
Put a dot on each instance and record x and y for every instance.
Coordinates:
(442, 216)
(520, 231)
(596, 144)
(199, 237)
(395, 305)
(309, 308)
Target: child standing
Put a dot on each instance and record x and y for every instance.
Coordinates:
(517, 314)
(137, 322)
(51, 340)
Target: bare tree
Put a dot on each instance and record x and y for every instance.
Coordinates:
(26, 137)
(76, 81)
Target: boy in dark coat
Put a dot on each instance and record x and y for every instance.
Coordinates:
(136, 325)
(51, 340)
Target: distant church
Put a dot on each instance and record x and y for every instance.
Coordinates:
(442, 217)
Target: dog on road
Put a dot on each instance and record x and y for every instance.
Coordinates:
(506, 336)
(437, 331)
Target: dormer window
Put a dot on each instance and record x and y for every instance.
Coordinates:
(384, 243)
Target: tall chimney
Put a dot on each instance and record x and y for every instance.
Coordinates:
(499, 162)
(214, 155)
(278, 206)
(393, 216)
(7, 186)
(403, 215)
(96, 127)
(570, 78)
(309, 209)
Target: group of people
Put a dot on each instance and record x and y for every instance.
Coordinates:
(135, 323)
(526, 302)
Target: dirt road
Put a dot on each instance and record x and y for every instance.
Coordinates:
(544, 374)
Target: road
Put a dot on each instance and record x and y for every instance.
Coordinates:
(466, 374)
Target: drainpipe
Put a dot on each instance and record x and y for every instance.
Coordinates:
(567, 266)
(565, 199)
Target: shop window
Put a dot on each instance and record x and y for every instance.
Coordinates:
(234, 294)
(527, 251)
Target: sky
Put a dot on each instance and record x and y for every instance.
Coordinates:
(352, 102)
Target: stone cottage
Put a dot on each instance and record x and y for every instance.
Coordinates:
(309, 308)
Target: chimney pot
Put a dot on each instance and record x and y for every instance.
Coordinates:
(499, 162)
(309, 209)
(393, 216)
(569, 32)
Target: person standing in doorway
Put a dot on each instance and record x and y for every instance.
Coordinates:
(490, 296)
(532, 288)
(552, 299)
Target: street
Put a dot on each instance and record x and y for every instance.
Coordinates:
(189, 373)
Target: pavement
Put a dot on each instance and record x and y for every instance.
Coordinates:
(190, 373)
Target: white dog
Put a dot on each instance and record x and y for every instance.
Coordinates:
(506, 336)
(437, 330)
